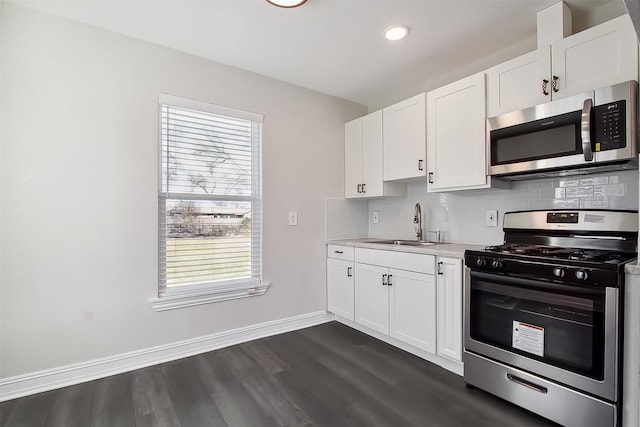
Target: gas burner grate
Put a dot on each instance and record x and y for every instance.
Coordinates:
(559, 253)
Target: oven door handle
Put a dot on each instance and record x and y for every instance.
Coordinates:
(536, 284)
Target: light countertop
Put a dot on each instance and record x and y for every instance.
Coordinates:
(454, 250)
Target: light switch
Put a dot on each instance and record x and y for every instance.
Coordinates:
(293, 218)
(375, 217)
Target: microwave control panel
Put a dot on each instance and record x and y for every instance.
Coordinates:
(609, 126)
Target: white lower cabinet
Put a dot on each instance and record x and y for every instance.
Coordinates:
(449, 296)
(410, 300)
(340, 275)
(397, 302)
(340, 288)
(412, 308)
(372, 297)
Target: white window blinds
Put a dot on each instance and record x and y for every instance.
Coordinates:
(210, 219)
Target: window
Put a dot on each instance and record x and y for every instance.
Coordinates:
(210, 205)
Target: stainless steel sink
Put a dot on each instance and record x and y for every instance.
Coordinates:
(400, 242)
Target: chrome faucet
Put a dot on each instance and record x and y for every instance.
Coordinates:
(417, 220)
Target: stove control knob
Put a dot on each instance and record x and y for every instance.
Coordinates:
(481, 262)
(496, 264)
(559, 271)
(582, 275)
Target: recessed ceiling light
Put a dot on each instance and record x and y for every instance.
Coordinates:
(396, 32)
(287, 3)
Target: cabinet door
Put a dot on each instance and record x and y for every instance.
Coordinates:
(372, 164)
(404, 139)
(372, 297)
(412, 308)
(518, 83)
(456, 148)
(600, 56)
(352, 158)
(449, 293)
(340, 290)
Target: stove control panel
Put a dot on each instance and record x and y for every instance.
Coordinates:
(579, 275)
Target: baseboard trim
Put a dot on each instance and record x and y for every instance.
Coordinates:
(50, 379)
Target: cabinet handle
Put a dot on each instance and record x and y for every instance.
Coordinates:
(359, 188)
(440, 268)
(384, 280)
(364, 189)
(554, 84)
(338, 252)
(420, 168)
(545, 92)
(349, 274)
(430, 178)
(389, 280)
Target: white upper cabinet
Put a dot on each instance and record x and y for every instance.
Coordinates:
(517, 84)
(353, 158)
(363, 159)
(456, 148)
(404, 139)
(600, 56)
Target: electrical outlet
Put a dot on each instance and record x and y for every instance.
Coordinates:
(376, 217)
(492, 218)
(293, 218)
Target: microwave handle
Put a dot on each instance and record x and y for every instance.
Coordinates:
(585, 130)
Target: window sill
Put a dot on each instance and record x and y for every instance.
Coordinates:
(172, 299)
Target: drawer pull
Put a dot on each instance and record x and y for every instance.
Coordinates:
(384, 280)
(338, 252)
(349, 274)
(527, 384)
(389, 280)
(440, 273)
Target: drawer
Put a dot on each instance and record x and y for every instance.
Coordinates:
(420, 263)
(545, 398)
(340, 252)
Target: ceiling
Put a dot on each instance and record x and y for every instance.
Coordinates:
(332, 46)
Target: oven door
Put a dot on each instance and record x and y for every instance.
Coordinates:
(568, 334)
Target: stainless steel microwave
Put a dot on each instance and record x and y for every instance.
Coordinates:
(592, 132)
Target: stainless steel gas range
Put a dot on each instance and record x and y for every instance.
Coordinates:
(543, 313)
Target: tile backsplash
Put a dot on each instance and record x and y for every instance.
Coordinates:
(461, 215)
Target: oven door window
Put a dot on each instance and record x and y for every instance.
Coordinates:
(542, 139)
(556, 324)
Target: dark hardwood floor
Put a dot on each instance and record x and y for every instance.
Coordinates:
(327, 375)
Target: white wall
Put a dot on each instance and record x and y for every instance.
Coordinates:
(460, 215)
(79, 191)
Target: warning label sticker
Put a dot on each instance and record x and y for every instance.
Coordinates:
(529, 338)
